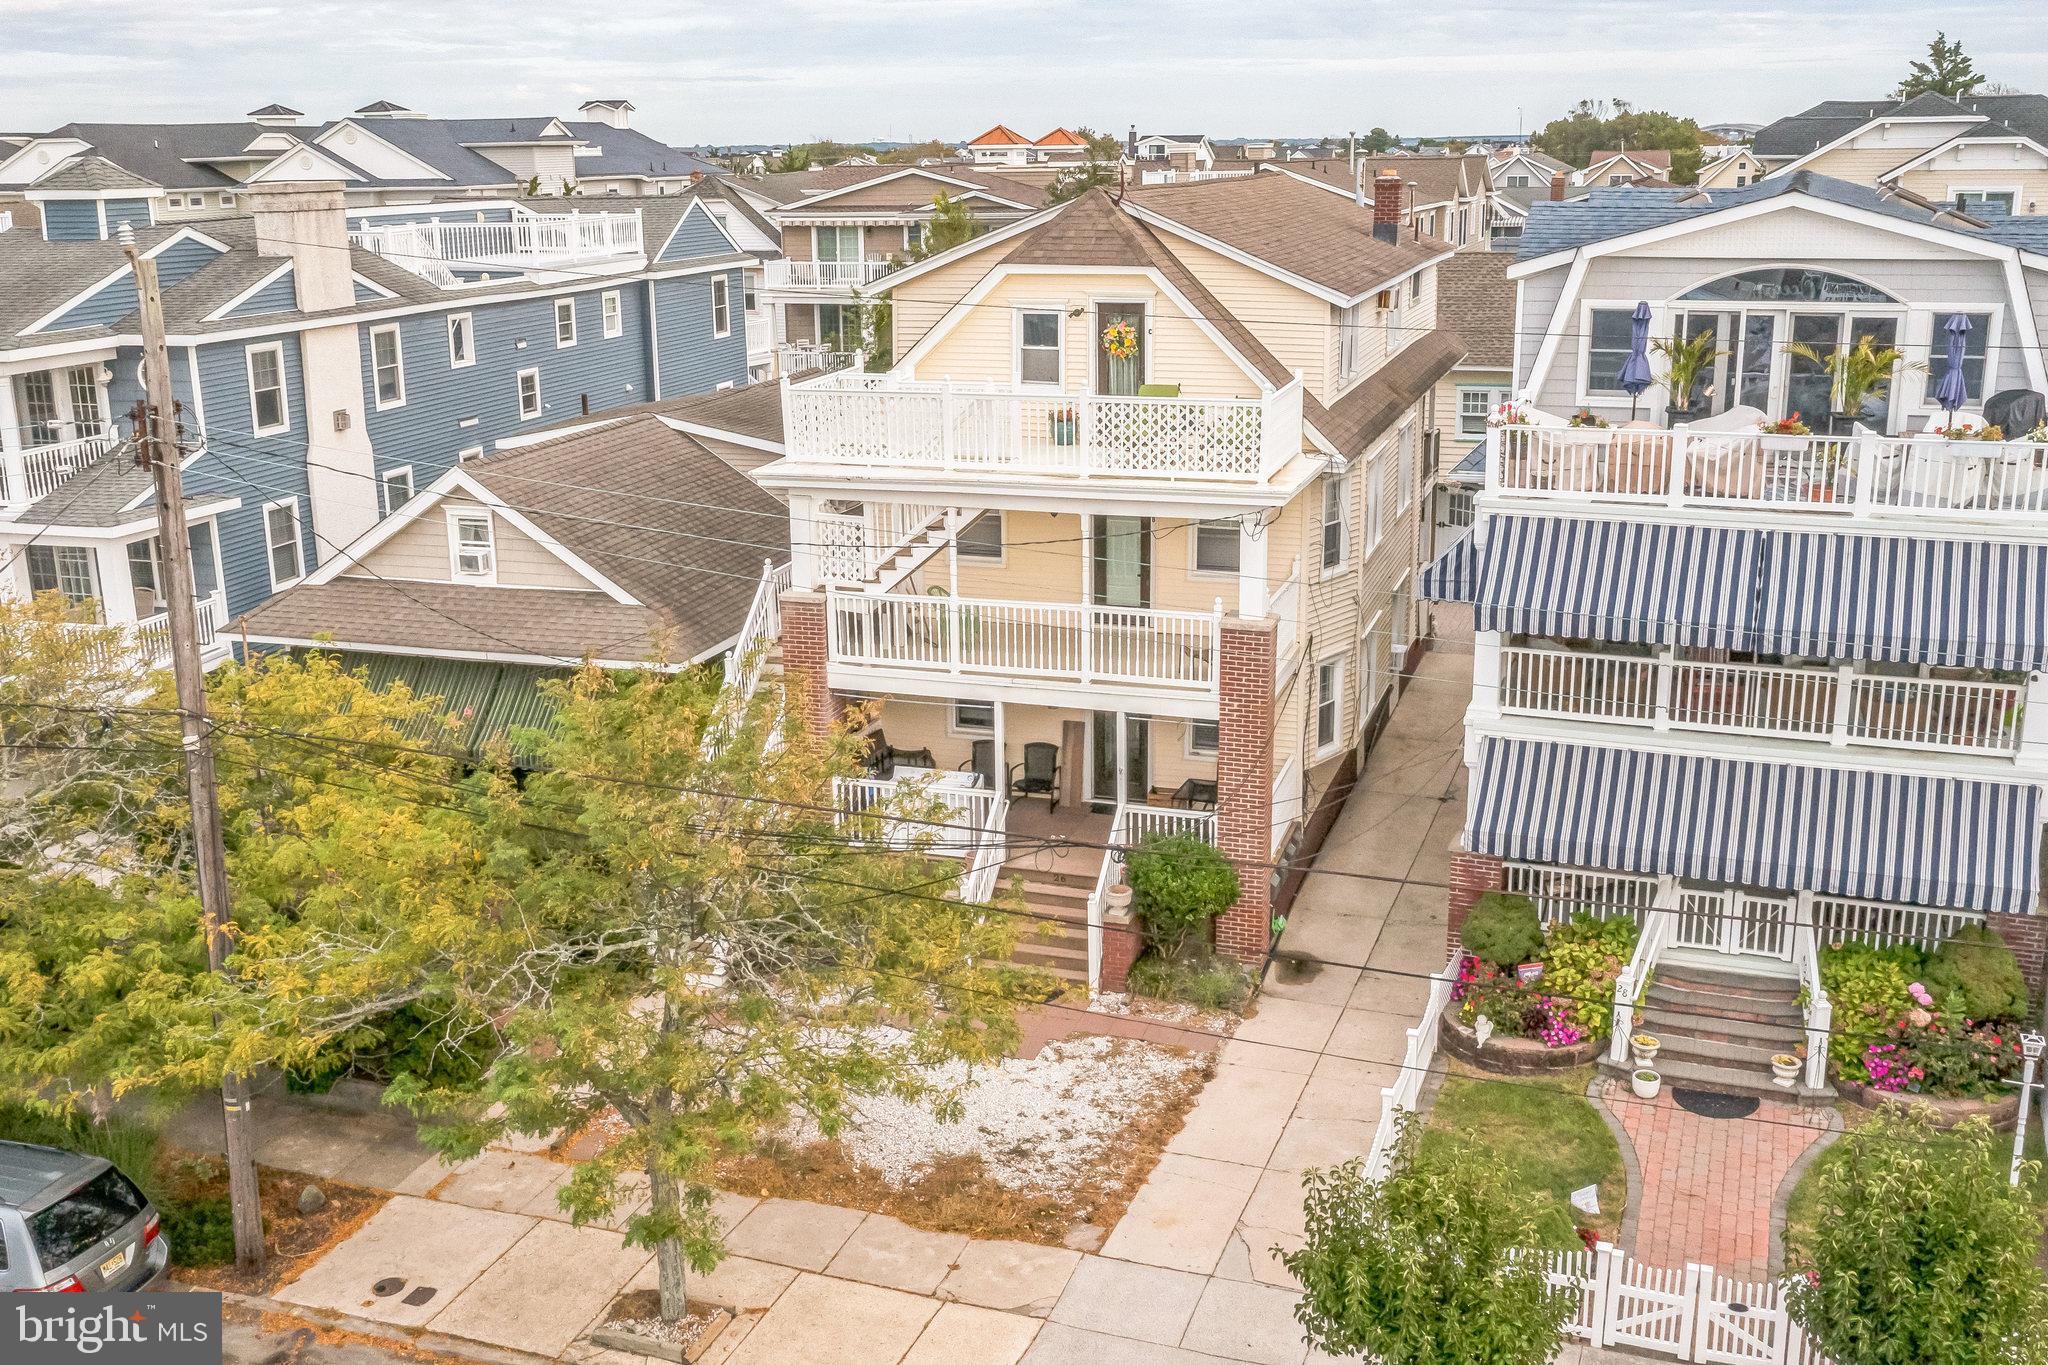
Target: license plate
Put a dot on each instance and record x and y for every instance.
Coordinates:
(114, 1264)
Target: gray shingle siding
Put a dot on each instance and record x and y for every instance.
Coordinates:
(71, 220)
(692, 360)
(696, 235)
(281, 295)
(426, 432)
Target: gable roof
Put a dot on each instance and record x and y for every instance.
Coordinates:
(796, 187)
(1801, 134)
(1475, 300)
(276, 111)
(1002, 135)
(1656, 157)
(1062, 137)
(1433, 179)
(624, 153)
(1371, 409)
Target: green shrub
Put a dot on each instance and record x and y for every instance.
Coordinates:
(1581, 962)
(1502, 930)
(1206, 980)
(1179, 883)
(1974, 964)
(201, 1232)
(1868, 989)
(130, 1146)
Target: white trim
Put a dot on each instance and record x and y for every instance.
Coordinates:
(1018, 311)
(270, 545)
(696, 206)
(284, 268)
(1153, 218)
(968, 248)
(721, 299)
(468, 453)
(455, 518)
(1188, 747)
(468, 322)
(2025, 324)
(519, 388)
(426, 172)
(611, 314)
(1194, 532)
(2016, 191)
(384, 487)
(183, 235)
(329, 167)
(390, 329)
(565, 301)
(1335, 694)
(1959, 140)
(715, 433)
(1868, 125)
(284, 394)
(357, 277)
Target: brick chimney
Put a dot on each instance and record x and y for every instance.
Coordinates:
(306, 221)
(1557, 185)
(1386, 206)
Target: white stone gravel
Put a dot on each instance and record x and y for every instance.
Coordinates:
(1037, 1125)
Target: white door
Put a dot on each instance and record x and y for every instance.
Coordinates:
(1738, 923)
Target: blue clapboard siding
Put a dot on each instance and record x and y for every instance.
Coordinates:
(116, 300)
(692, 360)
(696, 235)
(365, 294)
(256, 469)
(427, 431)
(71, 220)
(182, 260)
(281, 295)
(134, 212)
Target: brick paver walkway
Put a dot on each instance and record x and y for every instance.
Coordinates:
(1708, 1184)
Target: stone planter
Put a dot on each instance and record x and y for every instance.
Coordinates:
(1511, 1056)
(2003, 1112)
(1645, 1082)
(1785, 1070)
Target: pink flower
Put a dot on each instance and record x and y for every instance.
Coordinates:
(1919, 992)
(1919, 1018)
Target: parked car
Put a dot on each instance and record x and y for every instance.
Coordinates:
(71, 1223)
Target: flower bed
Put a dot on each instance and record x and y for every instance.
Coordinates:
(1513, 1056)
(1942, 1026)
(2002, 1111)
(1540, 990)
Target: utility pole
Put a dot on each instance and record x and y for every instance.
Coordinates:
(156, 440)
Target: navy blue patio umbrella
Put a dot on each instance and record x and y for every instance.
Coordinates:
(1950, 390)
(1635, 371)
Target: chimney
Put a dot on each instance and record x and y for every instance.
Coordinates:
(1131, 143)
(1386, 207)
(306, 221)
(1557, 185)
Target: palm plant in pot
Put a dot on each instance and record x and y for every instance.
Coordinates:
(1686, 363)
(1857, 374)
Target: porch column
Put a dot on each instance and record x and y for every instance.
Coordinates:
(117, 590)
(1244, 782)
(803, 541)
(999, 778)
(1254, 559)
(10, 444)
(1472, 876)
(806, 659)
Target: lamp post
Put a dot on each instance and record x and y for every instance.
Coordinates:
(2031, 1047)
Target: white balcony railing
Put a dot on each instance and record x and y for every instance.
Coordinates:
(1840, 705)
(444, 251)
(962, 814)
(882, 421)
(149, 639)
(1867, 474)
(1050, 641)
(38, 471)
(1283, 604)
(1128, 826)
(823, 275)
(796, 358)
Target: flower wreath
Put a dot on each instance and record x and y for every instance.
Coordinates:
(1120, 340)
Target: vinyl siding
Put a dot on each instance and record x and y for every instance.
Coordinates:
(698, 234)
(1294, 325)
(256, 469)
(181, 261)
(134, 212)
(115, 300)
(422, 551)
(692, 360)
(427, 431)
(281, 295)
(71, 220)
(365, 294)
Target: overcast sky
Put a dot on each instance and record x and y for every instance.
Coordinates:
(777, 70)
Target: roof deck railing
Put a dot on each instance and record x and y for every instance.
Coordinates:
(449, 251)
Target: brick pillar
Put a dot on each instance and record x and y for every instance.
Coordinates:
(1120, 947)
(1244, 783)
(2027, 936)
(1472, 876)
(804, 657)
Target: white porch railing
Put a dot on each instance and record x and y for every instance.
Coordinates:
(823, 274)
(149, 639)
(796, 358)
(991, 851)
(1918, 476)
(748, 657)
(1562, 892)
(38, 471)
(438, 250)
(1128, 826)
(1817, 1008)
(1883, 924)
(1841, 705)
(1658, 925)
(1172, 177)
(853, 418)
(854, 549)
(1042, 640)
(966, 813)
(1406, 1091)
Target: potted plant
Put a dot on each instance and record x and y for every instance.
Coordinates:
(1686, 363)
(1784, 1069)
(1585, 417)
(1066, 425)
(1856, 374)
(1646, 1083)
(1644, 1046)
(1785, 426)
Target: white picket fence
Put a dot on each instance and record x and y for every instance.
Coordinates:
(1688, 1314)
(1406, 1091)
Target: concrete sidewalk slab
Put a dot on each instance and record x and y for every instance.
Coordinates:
(1140, 1302)
(961, 1335)
(1240, 1114)
(793, 1232)
(1290, 1023)
(890, 1253)
(1307, 1144)
(546, 1290)
(1015, 1277)
(1310, 981)
(1238, 1052)
(1183, 1215)
(737, 1282)
(821, 1321)
(1253, 1323)
(425, 1244)
(1061, 1345)
(510, 1182)
(1345, 1088)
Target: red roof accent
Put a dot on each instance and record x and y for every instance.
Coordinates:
(1060, 137)
(1000, 136)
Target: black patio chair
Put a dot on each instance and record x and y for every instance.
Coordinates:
(1041, 773)
(983, 762)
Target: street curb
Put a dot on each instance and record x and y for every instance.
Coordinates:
(420, 1337)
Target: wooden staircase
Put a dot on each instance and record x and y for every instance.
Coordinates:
(1060, 894)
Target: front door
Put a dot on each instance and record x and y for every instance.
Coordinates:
(1120, 769)
(1119, 375)
(1120, 553)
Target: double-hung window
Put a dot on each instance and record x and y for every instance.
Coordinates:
(1976, 346)
(1607, 348)
(1377, 476)
(565, 322)
(1336, 492)
(1403, 472)
(1215, 546)
(982, 538)
(1202, 738)
(529, 395)
(62, 568)
(471, 544)
(397, 488)
(1329, 705)
(721, 306)
(1475, 405)
(1350, 341)
(461, 342)
(281, 538)
(1038, 346)
(1516, 182)
(387, 367)
(614, 318)
(268, 411)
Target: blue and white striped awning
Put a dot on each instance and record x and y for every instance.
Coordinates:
(1451, 575)
(1641, 582)
(1899, 599)
(1921, 840)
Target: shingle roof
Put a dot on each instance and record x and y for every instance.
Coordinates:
(1002, 135)
(383, 107)
(276, 111)
(1641, 156)
(457, 618)
(1319, 236)
(1475, 301)
(437, 143)
(111, 491)
(1798, 134)
(1363, 415)
(752, 411)
(92, 173)
(161, 152)
(629, 152)
(790, 186)
(1436, 178)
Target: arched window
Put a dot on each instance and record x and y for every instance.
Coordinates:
(1792, 284)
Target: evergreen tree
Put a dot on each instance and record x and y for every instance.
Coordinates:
(1948, 70)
